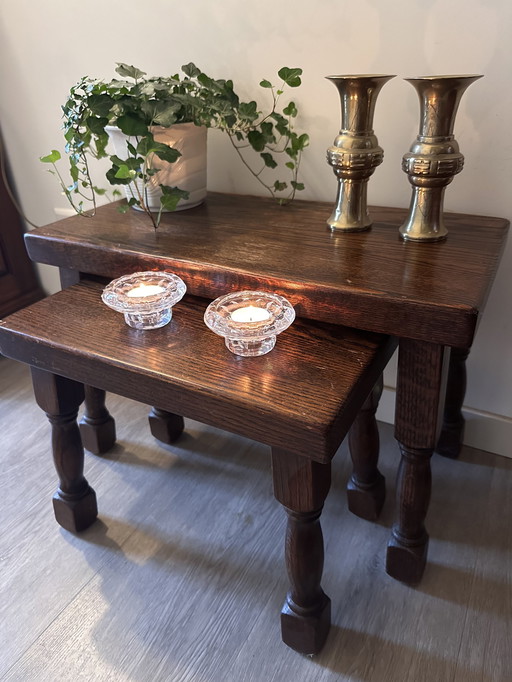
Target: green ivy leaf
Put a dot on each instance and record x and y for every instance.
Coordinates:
(187, 100)
(169, 203)
(114, 180)
(171, 197)
(165, 114)
(148, 145)
(100, 104)
(282, 126)
(74, 172)
(132, 125)
(96, 124)
(267, 130)
(290, 110)
(290, 165)
(127, 71)
(265, 84)
(209, 83)
(131, 162)
(279, 118)
(191, 70)
(230, 120)
(147, 89)
(116, 160)
(172, 191)
(145, 146)
(124, 172)
(53, 157)
(269, 160)
(297, 185)
(303, 141)
(166, 153)
(248, 111)
(280, 186)
(101, 143)
(256, 140)
(290, 76)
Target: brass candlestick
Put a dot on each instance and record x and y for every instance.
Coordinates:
(434, 158)
(355, 153)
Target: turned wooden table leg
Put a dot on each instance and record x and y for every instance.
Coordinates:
(366, 489)
(74, 503)
(301, 486)
(97, 426)
(165, 426)
(452, 431)
(420, 386)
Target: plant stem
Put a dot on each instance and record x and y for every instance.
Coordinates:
(267, 187)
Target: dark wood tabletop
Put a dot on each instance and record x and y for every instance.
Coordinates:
(305, 387)
(236, 242)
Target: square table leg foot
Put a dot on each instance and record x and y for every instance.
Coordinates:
(76, 515)
(404, 563)
(306, 633)
(366, 502)
(165, 426)
(98, 438)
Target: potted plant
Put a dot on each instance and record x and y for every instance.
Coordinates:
(142, 108)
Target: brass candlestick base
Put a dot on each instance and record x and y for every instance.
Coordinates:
(355, 153)
(434, 158)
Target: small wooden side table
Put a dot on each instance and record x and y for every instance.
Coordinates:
(301, 399)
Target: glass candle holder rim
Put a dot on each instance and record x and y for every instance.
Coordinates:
(115, 295)
(218, 318)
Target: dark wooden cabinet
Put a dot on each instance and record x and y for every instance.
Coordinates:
(19, 284)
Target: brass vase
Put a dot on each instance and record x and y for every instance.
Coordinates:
(434, 158)
(355, 152)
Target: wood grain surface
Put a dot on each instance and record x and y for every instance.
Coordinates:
(370, 280)
(302, 396)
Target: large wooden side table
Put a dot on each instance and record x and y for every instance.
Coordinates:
(430, 295)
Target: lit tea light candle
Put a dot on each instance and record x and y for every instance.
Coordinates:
(145, 290)
(233, 316)
(250, 313)
(145, 298)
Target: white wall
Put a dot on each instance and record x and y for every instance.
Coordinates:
(45, 47)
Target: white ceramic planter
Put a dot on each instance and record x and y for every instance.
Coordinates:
(187, 173)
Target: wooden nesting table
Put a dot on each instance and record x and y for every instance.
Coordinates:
(301, 399)
(429, 295)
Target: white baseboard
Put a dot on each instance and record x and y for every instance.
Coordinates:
(484, 430)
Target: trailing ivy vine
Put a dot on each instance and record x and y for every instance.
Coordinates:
(135, 102)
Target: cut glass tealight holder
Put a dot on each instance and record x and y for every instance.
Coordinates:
(145, 298)
(249, 321)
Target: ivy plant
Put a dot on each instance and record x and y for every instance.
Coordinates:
(135, 102)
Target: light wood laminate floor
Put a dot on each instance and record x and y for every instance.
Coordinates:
(182, 577)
